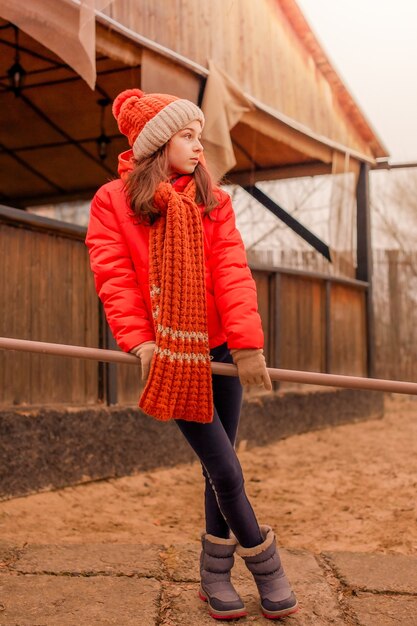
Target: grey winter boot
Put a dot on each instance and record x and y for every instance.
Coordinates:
(216, 561)
(277, 597)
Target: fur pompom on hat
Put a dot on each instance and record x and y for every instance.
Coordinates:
(149, 120)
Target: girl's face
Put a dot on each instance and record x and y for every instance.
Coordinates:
(184, 149)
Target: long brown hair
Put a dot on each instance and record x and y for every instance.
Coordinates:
(142, 182)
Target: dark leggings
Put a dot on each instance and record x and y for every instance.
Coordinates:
(226, 504)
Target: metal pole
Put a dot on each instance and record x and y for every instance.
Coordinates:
(224, 369)
(364, 259)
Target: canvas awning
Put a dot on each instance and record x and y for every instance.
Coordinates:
(49, 148)
(66, 27)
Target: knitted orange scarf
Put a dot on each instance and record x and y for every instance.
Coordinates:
(179, 382)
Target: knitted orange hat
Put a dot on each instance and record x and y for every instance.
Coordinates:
(149, 120)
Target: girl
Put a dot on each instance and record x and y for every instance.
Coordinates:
(171, 271)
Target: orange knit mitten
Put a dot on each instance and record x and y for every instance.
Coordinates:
(251, 367)
(145, 352)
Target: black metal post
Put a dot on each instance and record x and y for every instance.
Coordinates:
(364, 259)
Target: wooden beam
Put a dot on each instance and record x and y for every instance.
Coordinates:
(17, 217)
(54, 198)
(386, 165)
(250, 177)
(59, 144)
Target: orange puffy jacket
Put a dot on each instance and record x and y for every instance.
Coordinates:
(119, 258)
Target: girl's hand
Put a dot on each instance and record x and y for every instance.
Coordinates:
(251, 367)
(145, 353)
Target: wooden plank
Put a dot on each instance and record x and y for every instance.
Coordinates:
(45, 298)
(91, 321)
(129, 384)
(161, 75)
(348, 331)
(60, 375)
(275, 295)
(302, 318)
(263, 290)
(3, 296)
(77, 307)
(38, 280)
(328, 331)
(15, 313)
(112, 370)
(77, 316)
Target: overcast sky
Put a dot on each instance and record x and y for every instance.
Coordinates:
(372, 44)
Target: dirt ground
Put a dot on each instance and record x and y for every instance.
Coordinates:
(352, 487)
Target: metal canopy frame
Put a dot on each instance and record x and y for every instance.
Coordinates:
(289, 220)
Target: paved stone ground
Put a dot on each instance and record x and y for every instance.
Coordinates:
(156, 585)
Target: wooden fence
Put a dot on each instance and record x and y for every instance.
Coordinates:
(312, 321)
(46, 294)
(395, 297)
(394, 303)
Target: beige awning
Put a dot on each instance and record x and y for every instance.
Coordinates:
(251, 143)
(224, 105)
(49, 151)
(67, 28)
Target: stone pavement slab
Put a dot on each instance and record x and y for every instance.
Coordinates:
(375, 572)
(382, 610)
(85, 559)
(36, 600)
(155, 585)
(317, 600)
(182, 562)
(318, 603)
(184, 608)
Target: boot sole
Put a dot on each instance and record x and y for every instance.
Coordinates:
(233, 614)
(279, 614)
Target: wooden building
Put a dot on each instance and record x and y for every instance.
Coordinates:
(275, 108)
